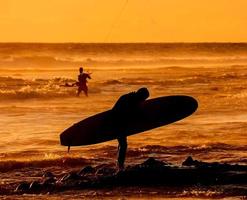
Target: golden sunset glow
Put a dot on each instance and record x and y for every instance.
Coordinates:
(123, 21)
(123, 99)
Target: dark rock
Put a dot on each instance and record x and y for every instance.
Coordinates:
(70, 177)
(152, 173)
(213, 165)
(106, 171)
(84, 183)
(86, 170)
(152, 163)
(35, 185)
(49, 181)
(190, 162)
(48, 174)
(122, 172)
(101, 166)
(24, 186)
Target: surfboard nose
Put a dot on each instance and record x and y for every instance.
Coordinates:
(192, 102)
(188, 105)
(178, 107)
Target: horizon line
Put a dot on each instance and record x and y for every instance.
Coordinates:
(123, 42)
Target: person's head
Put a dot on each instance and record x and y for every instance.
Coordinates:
(81, 69)
(143, 93)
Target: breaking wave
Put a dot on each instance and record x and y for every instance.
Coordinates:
(108, 154)
(65, 162)
(19, 88)
(61, 61)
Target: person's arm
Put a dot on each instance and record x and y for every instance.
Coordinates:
(88, 75)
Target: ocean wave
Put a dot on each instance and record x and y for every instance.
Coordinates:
(28, 92)
(108, 154)
(63, 162)
(181, 150)
(194, 148)
(59, 61)
(17, 88)
(221, 48)
(12, 87)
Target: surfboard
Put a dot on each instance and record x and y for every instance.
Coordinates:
(150, 114)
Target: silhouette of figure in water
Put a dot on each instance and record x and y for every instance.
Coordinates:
(126, 106)
(82, 82)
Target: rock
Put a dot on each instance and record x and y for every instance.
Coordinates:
(24, 186)
(48, 174)
(152, 163)
(188, 162)
(35, 185)
(86, 170)
(151, 172)
(70, 176)
(49, 181)
(106, 171)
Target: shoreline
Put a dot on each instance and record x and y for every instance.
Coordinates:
(153, 177)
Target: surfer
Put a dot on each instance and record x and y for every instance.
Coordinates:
(82, 82)
(126, 106)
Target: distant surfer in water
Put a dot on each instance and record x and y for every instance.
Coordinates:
(82, 82)
(126, 106)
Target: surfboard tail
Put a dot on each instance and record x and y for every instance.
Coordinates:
(64, 140)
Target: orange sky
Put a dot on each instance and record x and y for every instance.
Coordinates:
(139, 21)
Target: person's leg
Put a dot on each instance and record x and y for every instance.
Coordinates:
(122, 148)
(85, 89)
(78, 91)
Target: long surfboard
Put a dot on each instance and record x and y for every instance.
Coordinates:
(107, 125)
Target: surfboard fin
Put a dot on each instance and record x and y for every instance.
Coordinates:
(68, 148)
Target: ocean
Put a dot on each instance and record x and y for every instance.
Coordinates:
(35, 107)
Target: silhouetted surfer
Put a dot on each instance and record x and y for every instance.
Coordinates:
(82, 82)
(125, 107)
